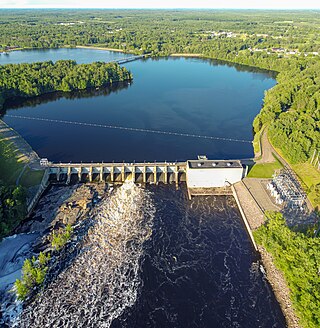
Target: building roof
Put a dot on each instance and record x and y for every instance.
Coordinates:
(212, 164)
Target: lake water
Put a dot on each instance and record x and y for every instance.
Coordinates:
(181, 95)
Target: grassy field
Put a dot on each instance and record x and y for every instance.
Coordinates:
(264, 170)
(10, 167)
(310, 176)
(256, 143)
(31, 178)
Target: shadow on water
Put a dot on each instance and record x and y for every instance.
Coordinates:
(220, 62)
(18, 102)
(200, 269)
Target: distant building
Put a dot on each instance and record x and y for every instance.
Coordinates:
(213, 173)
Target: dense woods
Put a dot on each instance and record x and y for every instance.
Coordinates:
(12, 207)
(29, 80)
(297, 255)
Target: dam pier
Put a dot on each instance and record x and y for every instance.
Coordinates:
(201, 175)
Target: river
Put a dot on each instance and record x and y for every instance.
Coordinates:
(152, 258)
(167, 261)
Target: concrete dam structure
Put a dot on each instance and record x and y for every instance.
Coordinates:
(201, 174)
(118, 172)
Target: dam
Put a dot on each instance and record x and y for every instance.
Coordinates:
(198, 174)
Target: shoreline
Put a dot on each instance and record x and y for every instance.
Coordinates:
(186, 55)
(96, 48)
(280, 288)
(253, 218)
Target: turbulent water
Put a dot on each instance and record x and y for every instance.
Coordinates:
(200, 269)
(152, 258)
(104, 279)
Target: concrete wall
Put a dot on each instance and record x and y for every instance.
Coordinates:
(213, 177)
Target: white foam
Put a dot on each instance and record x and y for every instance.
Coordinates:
(104, 280)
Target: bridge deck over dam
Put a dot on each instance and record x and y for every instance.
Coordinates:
(166, 172)
(198, 174)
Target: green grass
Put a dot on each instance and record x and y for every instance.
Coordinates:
(310, 176)
(264, 170)
(256, 143)
(31, 178)
(10, 166)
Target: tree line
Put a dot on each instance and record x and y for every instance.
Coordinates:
(29, 80)
(297, 255)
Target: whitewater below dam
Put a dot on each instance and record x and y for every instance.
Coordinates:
(152, 258)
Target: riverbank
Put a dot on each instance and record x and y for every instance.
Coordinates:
(252, 212)
(186, 55)
(19, 162)
(20, 175)
(58, 207)
(279, 287)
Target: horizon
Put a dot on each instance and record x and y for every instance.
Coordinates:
(161, 8)
(164, 4)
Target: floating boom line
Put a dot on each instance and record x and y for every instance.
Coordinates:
(116, 127)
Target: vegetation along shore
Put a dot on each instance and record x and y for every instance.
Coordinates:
(30, 80)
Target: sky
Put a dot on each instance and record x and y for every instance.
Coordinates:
(243, 4)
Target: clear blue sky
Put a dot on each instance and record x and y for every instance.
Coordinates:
(257, 4)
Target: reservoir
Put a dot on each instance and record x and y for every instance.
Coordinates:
(182, 95)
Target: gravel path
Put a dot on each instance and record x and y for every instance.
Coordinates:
(266, 149)
(250, 207)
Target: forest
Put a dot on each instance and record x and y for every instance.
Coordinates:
(29, 80)
(286, 42)
(297, 255)
(12, 207)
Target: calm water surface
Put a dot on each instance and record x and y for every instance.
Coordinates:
(80, 55)
(185, 95)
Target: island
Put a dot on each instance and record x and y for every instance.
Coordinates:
(34, 79)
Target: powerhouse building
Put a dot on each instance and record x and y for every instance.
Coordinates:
(213, 173)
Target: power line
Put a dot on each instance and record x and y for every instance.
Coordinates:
(106, 126)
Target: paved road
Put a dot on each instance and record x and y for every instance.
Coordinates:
(266, 149)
